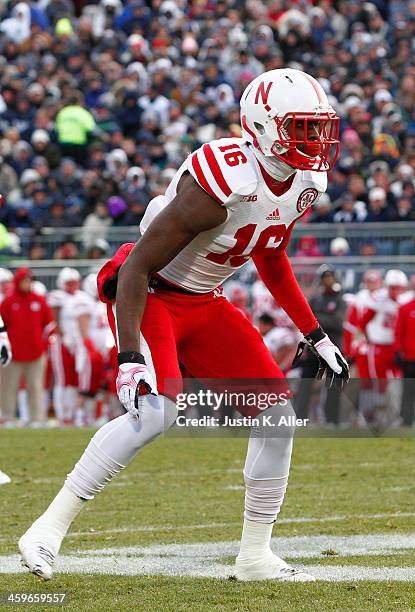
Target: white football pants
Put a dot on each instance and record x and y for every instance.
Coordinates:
(117, 442)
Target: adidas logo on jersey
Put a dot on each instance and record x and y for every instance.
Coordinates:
(274, 216)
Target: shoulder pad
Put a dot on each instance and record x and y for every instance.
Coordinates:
(223, 168)
(316, 180)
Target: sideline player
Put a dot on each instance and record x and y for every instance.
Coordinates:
(355, 345)
(6, 288)
(5, 359)
(378, 322)
(231, 200)
(96, 345)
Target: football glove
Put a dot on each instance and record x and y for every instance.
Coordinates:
(5, 349)
(332, 366)
(134, 380)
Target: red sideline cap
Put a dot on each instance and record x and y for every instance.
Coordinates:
(107, 276)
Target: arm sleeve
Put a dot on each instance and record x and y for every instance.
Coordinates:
(275, 270)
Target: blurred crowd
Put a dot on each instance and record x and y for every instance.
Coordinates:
(101, 101)
(65, 363)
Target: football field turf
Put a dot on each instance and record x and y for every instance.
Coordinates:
(164, 534)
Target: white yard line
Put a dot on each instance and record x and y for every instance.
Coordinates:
(294, 547)
(201, 472)
(198, 526)
(152, 528)
(205, 560)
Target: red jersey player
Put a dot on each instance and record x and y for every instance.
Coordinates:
(231, 200)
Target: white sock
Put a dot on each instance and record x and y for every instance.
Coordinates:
(70, 401)
(255, 540)
(23, 405)
(57, 396)
(61, 512)
(266, 472)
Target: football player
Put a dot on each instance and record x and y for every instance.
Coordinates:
(378, 322)
(70, 354)
(61, 402)
(5, 359)
(231, 200)
(6, 287)
(355, 346)
(96, 348)
(281, 338)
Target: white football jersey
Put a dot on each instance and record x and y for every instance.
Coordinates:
(363, 299)
(74, 306)
(257, 219)
(262, 300)
(99, 329)
(56, 298)
(278, 337)
(380, 330)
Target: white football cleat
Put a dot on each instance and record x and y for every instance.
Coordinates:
(269, 567)
(39, 547)
(4, 479)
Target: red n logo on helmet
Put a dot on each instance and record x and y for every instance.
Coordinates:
(264, 93)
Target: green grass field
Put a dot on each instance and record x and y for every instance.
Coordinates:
(156, 536)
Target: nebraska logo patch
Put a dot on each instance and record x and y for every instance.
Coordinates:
(306, 198)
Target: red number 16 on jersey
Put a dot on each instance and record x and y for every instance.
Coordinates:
(270, 238)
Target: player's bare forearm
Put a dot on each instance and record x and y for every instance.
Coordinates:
(130, 304)
(191, 212)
